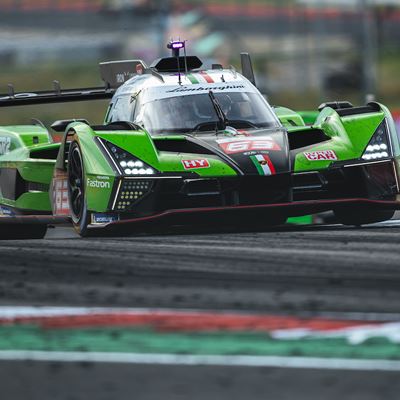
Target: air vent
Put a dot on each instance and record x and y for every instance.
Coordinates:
(45, 154)
(180, 146)
(306, 138)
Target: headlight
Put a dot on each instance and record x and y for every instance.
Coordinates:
(131, 192)
(128, 164)
(378, 147)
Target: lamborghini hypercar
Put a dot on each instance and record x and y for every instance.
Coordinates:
(186, 145)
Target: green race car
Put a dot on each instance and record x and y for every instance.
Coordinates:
(184, 145)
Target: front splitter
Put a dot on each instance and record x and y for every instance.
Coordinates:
(231, 214)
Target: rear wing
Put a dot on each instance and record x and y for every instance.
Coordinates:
(56, 96)
(114, 74)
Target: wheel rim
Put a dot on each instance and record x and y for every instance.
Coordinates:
(75, 182)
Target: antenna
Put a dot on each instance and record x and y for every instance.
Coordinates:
(184, 53)
(176, 47)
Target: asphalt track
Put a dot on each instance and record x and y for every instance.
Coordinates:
(304, 270)
(296, 269)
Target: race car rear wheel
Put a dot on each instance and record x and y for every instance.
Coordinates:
(357, 216)
(76, 190)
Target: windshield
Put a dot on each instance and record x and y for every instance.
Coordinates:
(190, 113)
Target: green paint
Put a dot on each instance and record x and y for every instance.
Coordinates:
(289, 118)
(303, 220)
(309, 117)
(192, 78)
(130, 340)
(349, 137)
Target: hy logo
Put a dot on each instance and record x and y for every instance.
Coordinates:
(5, 144)
(94, 183)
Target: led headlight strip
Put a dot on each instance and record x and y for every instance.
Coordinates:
(131, 191)
(127, 163)
(378, 147)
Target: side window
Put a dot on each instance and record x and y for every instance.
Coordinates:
(137, 108)
(122, 109)
(107, 118)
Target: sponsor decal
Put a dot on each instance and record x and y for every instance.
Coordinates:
(94, 183)
(5, 145)
(60, 194)
(263, 164)
(123, 76)
(241, 146)
(104, 218)
(322, 155)
(6, 212)
(196, 164)
(202, 88)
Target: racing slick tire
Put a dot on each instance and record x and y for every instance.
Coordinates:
(76, 190)
(22, 231)
(262, 222)
(361, 215)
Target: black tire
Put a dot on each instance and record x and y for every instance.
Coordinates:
(76, 190)
(22, 231)
(361, 215)
(263, 222)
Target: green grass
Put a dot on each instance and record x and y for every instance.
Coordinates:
(74, 76)
(41, 78)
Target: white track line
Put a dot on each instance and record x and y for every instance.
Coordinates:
(210, 360)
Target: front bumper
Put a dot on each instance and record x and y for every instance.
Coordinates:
(232, 215)
(184, 200)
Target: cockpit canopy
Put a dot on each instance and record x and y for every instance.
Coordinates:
(163, 112)
(183, 114)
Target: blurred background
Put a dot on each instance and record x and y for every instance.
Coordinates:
(304, 51)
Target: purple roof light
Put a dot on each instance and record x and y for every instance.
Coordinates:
(177, 45)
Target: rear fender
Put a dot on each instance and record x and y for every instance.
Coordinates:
(25, 180)
(349, 137)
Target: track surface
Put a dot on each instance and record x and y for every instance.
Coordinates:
(295, 270)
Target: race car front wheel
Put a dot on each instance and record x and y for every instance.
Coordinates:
(357, 216)
(76, 190)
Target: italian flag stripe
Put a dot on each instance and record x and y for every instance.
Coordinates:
(257, 164)
(270, 165)
(263, 164)
(192, 78)
(207, 77)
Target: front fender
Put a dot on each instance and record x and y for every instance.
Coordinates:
(99, 176)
